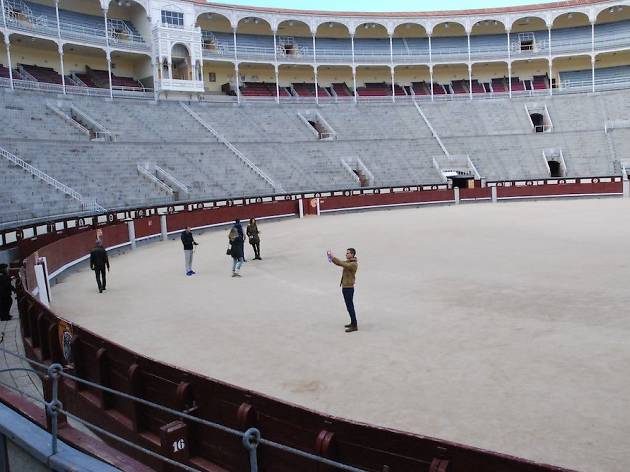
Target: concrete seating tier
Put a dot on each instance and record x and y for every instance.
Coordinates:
(393, 141)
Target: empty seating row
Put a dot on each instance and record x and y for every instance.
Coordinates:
(91, 78)
(584, 78)
(384, 89)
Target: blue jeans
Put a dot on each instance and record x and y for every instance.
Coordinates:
(348, 295)
(237, 263)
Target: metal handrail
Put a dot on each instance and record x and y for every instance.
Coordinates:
(172, 179)
(41, 24)
(147, 173)
(250, 438)
(277, 187)
(88, 204)
(41, 175)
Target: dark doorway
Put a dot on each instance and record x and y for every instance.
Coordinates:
(461, 182)
(554, 169)
(539, 122)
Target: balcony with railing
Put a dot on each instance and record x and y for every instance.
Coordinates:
(41, 19)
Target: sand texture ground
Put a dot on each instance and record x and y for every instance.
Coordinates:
(500, 326)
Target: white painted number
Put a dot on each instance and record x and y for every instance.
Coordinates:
(179, 445)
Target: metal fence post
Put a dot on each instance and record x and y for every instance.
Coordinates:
(55, 405)
(251, 439)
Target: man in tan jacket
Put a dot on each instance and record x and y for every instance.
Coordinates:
(348, 277)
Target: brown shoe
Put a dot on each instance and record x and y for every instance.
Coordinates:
(351, 328)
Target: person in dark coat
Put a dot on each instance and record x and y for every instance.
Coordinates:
(254, 238)
(6, 289)
(98, 262)
(239, 227)
(236, 251)
(188, 241)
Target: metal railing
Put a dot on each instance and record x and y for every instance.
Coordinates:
(171, 179)
(69, 30)
(50, 181)
(277, 187)
(146, 172)
(250, 439)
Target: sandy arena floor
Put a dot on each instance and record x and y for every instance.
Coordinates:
(499, 326)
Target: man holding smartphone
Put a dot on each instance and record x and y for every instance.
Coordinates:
(348, 277)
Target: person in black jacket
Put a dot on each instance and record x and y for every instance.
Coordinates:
(236, 251)
(6, 288)
(239, 227)
(188, 241)
(98, 262)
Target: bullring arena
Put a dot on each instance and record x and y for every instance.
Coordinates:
(498, 326)
(476, 159)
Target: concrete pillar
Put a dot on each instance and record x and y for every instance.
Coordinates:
(456, 195)
(163, 227)
(626, 189)
(317, 200)
(301, 207)
(494, 194)
(132, 233)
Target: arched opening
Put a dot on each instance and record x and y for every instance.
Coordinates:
(412, 80)
(254, 39)
(131, 71)
(217, 39)
(294, 41)
(258, 81)
(490, 77)
(299, 81)
(4, 62)
(87, 67)
(529, 75)
(410, 43)
(182, 68)
(36, 59)
(488, 40)
(336, 80)
(374, 81)
(333, 43)
(555, 169)
(128, 21)
(613, 14)
(219, 77)
(571, 32)
(371, 44)
(611, 27)
(573, 72)
(450, 79)
(612, 69)
(529, 37)
(449, 43)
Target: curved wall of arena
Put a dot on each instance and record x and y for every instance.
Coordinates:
(93, 358)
